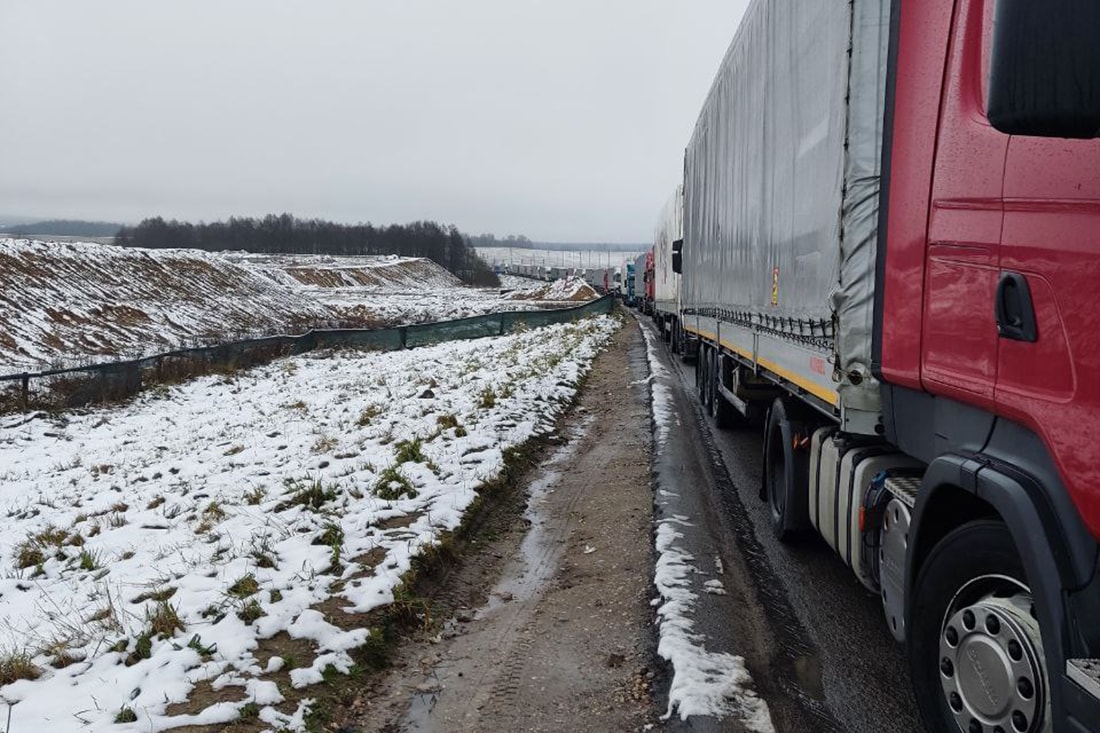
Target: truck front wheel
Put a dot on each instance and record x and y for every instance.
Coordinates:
(975, 651)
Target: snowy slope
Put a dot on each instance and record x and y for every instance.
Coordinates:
(265, 506)
(389, 273)
(570, 289)
(64, 302)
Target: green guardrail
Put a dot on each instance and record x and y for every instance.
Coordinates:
(118, 379)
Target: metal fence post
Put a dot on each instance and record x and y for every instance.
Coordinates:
(26, 380)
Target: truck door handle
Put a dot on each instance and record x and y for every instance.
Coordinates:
(1013, 309)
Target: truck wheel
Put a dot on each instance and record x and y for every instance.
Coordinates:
(708, 381)
(724, 414)
(700, 361)
(786, 475)
(975, 651)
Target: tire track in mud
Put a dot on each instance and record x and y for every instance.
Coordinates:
(565, 636)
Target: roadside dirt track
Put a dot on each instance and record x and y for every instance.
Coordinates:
(548, 629)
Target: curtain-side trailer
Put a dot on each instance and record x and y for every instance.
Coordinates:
(597, 278)
(668, 236)
(628, 278)
(639, 282)
(891, 243)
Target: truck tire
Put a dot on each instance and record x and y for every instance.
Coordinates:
(975, 650)
(724, 414)
(786, 473)
(708, 380)
(700, 360)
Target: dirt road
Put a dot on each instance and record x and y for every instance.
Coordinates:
(551, 628)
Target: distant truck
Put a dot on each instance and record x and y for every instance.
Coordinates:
(643, 282)
(639, 281)
(597, 277)
(890, 260)
(668, 239)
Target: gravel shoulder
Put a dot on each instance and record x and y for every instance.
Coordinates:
(545, 624)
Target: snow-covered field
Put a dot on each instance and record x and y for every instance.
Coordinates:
(160, 558)
(62, 304)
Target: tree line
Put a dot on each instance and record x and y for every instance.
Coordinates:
(67, 227)
(286, 234)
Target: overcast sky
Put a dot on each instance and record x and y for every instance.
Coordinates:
(564, 120)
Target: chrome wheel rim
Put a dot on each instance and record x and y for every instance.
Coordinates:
(991, 663)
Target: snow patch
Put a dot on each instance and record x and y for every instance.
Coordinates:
(663, 412)
(704, 682)
(714, 587)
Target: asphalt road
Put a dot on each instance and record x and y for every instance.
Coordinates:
(814, 640)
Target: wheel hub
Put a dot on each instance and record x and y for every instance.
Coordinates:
(991, 665)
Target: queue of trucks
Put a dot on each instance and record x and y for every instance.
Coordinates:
(605, 280)
(884, 254)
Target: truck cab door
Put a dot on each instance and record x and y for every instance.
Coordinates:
(959, 332)
(1051, 381)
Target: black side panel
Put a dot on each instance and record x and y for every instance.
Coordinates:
(1016, 446)
(884, 186)
(925, 426)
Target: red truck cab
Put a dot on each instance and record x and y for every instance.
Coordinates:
(988, 341)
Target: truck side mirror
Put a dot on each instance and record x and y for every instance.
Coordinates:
(1045, 68)
(678, 256)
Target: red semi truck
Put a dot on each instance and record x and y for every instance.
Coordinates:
(891, 259)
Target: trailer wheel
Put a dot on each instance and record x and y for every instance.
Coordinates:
(700, 360)
(975, 649)
(724, 414)
(786, 474)
(708, 380)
